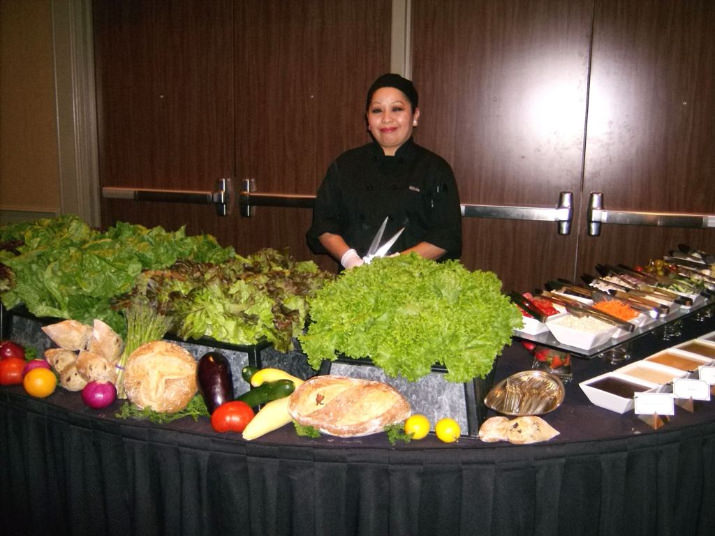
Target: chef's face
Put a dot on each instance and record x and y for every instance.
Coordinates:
(390, 118)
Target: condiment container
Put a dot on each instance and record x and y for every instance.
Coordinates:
(702, 348)
(679, 359)
(613, 392)
(651, 372)
(583, 332)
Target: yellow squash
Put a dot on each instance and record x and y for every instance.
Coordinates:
(269, 374)
(272, 416)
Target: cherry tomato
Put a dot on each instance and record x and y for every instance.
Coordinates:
(11, 369)
(11, 349)
(40, 382)
(231, 416)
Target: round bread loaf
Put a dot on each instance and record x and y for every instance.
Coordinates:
(347, 407)
(160, 375)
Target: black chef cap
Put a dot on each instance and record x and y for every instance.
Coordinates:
(396, 81)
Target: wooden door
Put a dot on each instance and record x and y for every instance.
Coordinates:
(165, 104)
(650, 124)
(191, 91)
(504, 92)
(529, 98)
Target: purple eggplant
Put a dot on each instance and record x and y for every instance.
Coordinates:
(215, 380)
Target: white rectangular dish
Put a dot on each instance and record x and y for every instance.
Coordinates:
(580, 332)
(613, 392)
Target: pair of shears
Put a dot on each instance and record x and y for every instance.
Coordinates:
(378, 250)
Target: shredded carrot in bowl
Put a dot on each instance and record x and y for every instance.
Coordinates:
(617, 308)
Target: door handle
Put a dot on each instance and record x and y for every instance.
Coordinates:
(221, 198)
(596, 215)
(562, 214)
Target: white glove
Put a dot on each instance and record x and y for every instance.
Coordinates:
(350, 259)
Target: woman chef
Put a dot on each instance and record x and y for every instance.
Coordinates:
(391, 177)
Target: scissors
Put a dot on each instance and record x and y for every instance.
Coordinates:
(377, 250)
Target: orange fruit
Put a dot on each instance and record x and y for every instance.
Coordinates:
(417, 426)
(40, 382)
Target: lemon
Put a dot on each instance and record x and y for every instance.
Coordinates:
(417, 426)
(447, 430)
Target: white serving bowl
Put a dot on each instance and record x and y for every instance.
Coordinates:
(583, 332)
(608, 399)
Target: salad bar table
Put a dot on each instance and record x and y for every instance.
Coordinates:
(67, 469)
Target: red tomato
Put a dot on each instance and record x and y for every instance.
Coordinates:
(11, 349)
(231, 416)
(11, 369)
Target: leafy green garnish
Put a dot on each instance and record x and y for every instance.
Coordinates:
(196, 408)
(65, 269)
(239, 301)
(407, 313)
(306, 431)
(396, 432)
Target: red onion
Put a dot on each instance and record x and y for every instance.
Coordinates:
(98, 395)
(33, 364)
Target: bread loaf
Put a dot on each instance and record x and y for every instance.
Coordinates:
(347, 407)
(69, 334)
(105, 342)
(529, 429)
(160, 375)
(494, 429)
(95, 367)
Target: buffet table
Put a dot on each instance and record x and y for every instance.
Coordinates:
(67, 469)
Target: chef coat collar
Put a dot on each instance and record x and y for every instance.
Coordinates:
(403, 152)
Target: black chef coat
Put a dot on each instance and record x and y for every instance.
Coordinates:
(415, 189)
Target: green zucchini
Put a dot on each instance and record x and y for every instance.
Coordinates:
(267, 392)
(247, 372)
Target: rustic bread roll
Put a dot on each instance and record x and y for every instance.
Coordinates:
(94, 367)
(160, 375)
(105, 342)
(529, 429)
(69, 334)
(59, 358)
(347, 407)
(494, 429)
(71, 379)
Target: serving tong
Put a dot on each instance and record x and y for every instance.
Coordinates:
(642, 282)
(642, 305)
(527, 305)
(580, 309)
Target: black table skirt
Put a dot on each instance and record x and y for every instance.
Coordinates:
(66, 469)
